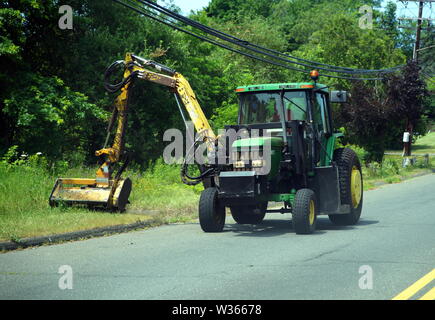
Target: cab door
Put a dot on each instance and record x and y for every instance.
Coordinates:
(322, 127)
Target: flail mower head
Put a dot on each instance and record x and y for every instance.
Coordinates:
(110, 196)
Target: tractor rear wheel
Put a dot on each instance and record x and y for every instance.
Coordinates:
(211, 213)
(351, 186)
(304, 215)
(249, 214)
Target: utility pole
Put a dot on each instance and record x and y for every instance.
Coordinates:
(408, 134)
(419, 25)
(418, 33)
(409, 126)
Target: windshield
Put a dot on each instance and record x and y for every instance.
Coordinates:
(263, 107)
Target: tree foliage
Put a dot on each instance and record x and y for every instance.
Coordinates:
(376, 117)
(408, 92)
(367, 119)
(51, 94)
(49, 117)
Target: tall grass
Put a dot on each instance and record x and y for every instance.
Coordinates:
(160, 189)
(25, 187)
(391, 170)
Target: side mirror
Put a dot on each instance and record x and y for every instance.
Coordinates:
(338, 96)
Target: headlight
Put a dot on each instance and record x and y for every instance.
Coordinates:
(239, 164)
(257, 163)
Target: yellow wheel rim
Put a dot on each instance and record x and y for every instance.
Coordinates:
(356, 186)
(312, 212)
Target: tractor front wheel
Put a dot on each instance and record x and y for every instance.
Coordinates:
(249, 214)
(351, 186)
(304, 215)
(211, 213)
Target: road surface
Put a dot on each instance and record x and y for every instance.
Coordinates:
(391, 248)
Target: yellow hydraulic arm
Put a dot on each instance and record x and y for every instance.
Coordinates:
(113, 193)
(179, 85)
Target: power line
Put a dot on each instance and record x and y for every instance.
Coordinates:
(179, 28)
(248, 45)
(172, 25)
(253, 47)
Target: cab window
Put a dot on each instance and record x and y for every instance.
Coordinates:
(320, 116)
(263, 107)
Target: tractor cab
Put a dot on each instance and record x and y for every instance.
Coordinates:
(292, 149)
(292, 108)
(279, 103)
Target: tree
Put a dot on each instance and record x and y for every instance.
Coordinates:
(389, 23)
(230, 10)
(49, 117)
(36, 51)
(425, 56)
(377, 115)
(367, 119)
(341, 42)
(408, 95)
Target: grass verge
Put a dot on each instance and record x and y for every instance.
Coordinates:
(425, 144)
(391, 171)
(24, 211)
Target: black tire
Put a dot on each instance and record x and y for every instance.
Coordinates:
(347, 159)
(304, 217)
(211, 214)
(246, 214)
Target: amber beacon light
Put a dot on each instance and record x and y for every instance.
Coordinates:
(314, 74)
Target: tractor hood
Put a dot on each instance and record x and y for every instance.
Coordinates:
(275, 142)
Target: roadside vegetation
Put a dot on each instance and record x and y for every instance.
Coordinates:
(425, 144)
(391, 169)
(25, 185)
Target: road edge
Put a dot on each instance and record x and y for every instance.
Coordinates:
(77, 235)
(382, 183)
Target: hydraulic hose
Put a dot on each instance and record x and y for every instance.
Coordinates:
(112, 88)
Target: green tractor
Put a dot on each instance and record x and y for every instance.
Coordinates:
(283, 151)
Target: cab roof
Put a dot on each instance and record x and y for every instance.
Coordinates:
(281, 86)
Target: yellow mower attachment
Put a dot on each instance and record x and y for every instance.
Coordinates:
(104, 191)
(111, 196)
(113, 193)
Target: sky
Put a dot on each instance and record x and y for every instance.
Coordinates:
(404, 8)
(409, 9)
(187, 5)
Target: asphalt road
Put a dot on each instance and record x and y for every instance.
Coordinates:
(394, 241)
